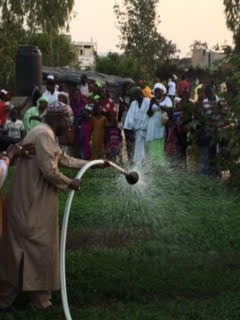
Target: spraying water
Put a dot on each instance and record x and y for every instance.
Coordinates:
(132, 178)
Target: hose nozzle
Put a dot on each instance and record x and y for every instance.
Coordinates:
(132, 177)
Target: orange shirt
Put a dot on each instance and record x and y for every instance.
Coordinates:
(147, 92)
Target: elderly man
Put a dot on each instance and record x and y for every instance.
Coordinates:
(29, 248)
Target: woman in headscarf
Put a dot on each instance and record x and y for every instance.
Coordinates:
(64, 98)
(33, 117)
(156, 128)
(107, 104)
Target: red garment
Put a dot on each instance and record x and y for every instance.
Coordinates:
(170, 146)
(108, 107)
(3, 113)
(182, 86)
(86, 133)
(114, 139)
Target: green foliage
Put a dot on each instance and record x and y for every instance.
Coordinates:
(137, 22)
(36, 22)
(48, 17)
(38, 15)
(11, 34)
(232, 12)
(198, 45)
(121, 65)
(63, 53)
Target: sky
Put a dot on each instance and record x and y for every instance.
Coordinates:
(182, 21)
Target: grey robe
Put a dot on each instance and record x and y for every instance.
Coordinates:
(31, 233)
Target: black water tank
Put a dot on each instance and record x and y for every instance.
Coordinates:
(28, 70)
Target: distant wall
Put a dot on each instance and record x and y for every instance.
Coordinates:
(206, 59)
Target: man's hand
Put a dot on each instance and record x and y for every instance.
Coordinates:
(28, 150)
(102, 166)
(18, 150)
(75, 184)
(105, 164)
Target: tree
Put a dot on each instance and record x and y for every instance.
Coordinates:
(121, 65)
(137, 21)
(232, 12)
(11, 34)
(39, 16)
(36, 22)
(196, 45)
(63, 53)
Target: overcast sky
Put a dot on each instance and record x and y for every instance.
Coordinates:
(182, 21)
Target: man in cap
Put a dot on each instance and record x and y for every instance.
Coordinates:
(51, 92)
(29, 248)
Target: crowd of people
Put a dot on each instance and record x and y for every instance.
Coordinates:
(92, 112)
(172, 121)
(156, 124)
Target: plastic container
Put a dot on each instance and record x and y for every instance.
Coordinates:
(28, 70)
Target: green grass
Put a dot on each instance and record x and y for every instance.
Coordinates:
(166, 249)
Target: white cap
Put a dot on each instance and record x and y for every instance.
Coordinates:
(50, 77)
(174, 77)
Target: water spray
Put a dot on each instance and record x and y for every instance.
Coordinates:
(131, 177)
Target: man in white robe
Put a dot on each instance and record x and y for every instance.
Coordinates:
(137, 120)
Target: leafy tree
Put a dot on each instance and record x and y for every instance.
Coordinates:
(121, 65)
(39, 16)
(198, 45)
(11, 34)
(48, 17)
(63, 53)
(36, 22)
(232, 12)
(137, 21)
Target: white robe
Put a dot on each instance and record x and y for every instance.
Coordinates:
(137, 120)
(52, 98)
(155, 128)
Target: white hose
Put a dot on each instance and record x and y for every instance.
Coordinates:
(64, 233)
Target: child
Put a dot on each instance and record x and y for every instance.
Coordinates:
(113, 140)
(98, 126)
(83, 131)
(13, 126)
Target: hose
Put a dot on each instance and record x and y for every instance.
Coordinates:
(64, 233)
(64, 237)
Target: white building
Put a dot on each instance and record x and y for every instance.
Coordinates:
(86, 53)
